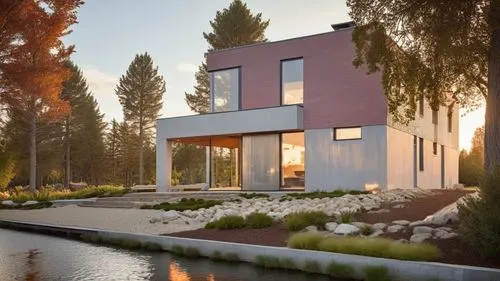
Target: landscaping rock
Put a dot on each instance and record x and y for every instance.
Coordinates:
(376, 233)
(8, 203)
(449, 235)
(379, 211)
(379, 226)
(420, 237)
(360, 224)
(398, 206)
(401, 222)
(346, 229)
(29, 203)
(154, 220)
(331, 226)
(440, 233)
(422, 229)
(170, 215)
(311, 228)
(447, 229)
(395, 228)
(417, 223)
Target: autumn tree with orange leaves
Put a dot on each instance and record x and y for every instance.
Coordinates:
(32, 58)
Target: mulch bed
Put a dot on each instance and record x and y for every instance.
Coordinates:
(454, 251)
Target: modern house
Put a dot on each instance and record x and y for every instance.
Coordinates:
(297, 114)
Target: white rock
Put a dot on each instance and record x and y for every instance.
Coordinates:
(379, 211)
(311, 228)
(379, 226)
(440, 233)
(8, 203)
(395, 228)
(376, 233)
(398, 206)
(360, 224)
(346, 229)
(154, 220)
(447, 229)
(170, 215)
(331, 226)
(422, 229)
(417, 223)
(401, 222)
(420, 237)
(30, 202)
(449, 235)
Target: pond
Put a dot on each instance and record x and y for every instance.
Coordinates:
(33, 257)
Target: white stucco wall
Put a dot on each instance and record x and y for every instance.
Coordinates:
(400, 161)
(451, 167)
(346, 164)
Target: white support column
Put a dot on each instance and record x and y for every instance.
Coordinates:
(163, 164)
(207, 166)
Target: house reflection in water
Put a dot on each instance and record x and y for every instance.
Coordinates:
(177, 273)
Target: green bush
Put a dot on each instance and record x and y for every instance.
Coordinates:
(374, 247)
(39, 205)
(151, 246)
(216, 255)
(321, 194)
(339, 270)
(376, 273)
(300, 220)
(367, 230)
(479, 223)
(346, 217)
(231, 257)
(48, 194)
(306, 240)
(184, 204)
(287, 264)
(191, 252)
(127, 243)
(258, 220)
(254, 195)
(267, 261)
(312, 267)
(177, 250)
(227, 222)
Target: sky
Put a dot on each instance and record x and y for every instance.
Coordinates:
(110, 33)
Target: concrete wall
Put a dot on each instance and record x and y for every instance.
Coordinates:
(400, 161)
(336, 94)
(346, 164)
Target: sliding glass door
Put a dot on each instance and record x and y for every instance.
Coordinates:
(261, 162)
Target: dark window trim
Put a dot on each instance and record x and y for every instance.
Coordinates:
(351, 127)
(450, 122)
(281, 78)
(434, 148)
(210, 79)
(421, 154)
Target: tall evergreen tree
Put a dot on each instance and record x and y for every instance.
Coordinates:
(112, 139)
(140, 92)
(232, 27)
(127, 151)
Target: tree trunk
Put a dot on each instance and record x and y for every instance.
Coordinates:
(141, 155)
(492, 118)
(33, 154)
(67, 173)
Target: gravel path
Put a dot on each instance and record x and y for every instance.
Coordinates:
(127, 220)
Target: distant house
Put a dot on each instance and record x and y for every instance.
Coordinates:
(297, 114)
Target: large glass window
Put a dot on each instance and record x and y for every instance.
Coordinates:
(347, 133)
(225, 90)
(292, 81)
(292, 159)
(260, 162)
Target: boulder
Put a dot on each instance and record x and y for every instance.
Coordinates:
(170, 215)
(379, 226)
(398, 206)
(420, 237)
(30, 202)
(311, 228)
(440, 233)
(417, 223)
(360, 224)
(379, 211)
(395, 228)
(331, 226)
(401, 222)
(8, 203)
(422, 229)
(376, 233)
(346, 229)
(449, 235)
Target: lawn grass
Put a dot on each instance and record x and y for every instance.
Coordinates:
(184, 204)
(374, 247)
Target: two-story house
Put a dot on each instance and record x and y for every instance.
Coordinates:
(297, 113)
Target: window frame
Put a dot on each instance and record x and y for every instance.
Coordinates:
(435, 148)
(335, 138)
(212, 92)
(450, 122)
(281, 80)
(421, 154)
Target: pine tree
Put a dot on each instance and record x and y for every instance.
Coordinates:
(140, 92)
(232, 27)
(127, 151)
(112, 139)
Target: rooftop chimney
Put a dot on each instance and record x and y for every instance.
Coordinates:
(343, 25)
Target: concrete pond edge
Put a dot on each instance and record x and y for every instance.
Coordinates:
(397, 269)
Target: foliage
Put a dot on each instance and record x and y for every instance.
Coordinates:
(184, 204)
(7, 166)
(232, 27)
(48, 195)
(287, 264)
(321, 194)
(267, 261)
(216, 255)
(470, 164)
(376, 273)
(231, 257)
(479, 224)
(437, 55)
(258, 220)
(339, 270)
(374, 247)
(177, 250)
(227, 222)
(188, 162)
(140, 92)
(346, 217)
(312, 266)
(39, 205)
(254, 195)
(191, 252)
(300, 220)
(367, 230)
(305, 240)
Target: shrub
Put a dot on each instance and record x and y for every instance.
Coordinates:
(367, 230)
(177, 250)
(376, 273)
(322, 194)
(184, 204)
(39, 205)
(216, 255)
(479, 223)
(267, 261)
(300, 220)
(312, 266)
(258, 220)
(231, 257)
(346, 217)
(191, 252)
(127, 243)
(151, 246)
(287, 264)
(339, 270)
(227, 222)
(254, 195)
(306, 240)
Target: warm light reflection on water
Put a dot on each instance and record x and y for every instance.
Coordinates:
(32, 257)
